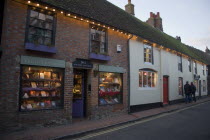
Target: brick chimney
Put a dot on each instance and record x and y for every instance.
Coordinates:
(155, 21)
(178, 38)
(129, 8)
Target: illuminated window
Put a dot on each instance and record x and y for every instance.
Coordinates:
(147, 78)
(148, 54)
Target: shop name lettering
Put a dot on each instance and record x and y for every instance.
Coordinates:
(82, 64)
(39, 62)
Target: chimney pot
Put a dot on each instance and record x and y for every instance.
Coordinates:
(129, 1)
(158, 14)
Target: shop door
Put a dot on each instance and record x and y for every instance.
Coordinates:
(165, 90)
(78, 109)
(199, 88)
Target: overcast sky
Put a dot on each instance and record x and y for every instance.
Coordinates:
(189, 19)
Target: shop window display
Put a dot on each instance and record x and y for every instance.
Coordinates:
(110, 88)
(41, 88)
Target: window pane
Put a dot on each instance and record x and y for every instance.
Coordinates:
(41, 24)
(153, 79)
(48, 33)
(42, 16)
(47, 41)
(149, 79)
(95, 46)
(40, 32)
(48, 25)
(140, 78)
(34, 14)
(33, 22)
(49, 18)
(145, 79)
(40, 39)
(102, 48)
(32, 30)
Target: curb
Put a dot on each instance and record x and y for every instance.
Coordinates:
(83, 133)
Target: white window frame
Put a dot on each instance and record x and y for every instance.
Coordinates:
(180, 63)
(153, 74)
(148, 51)
(195, 67)
(190, 65)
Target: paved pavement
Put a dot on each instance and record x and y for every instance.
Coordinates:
(189, 124)
(86, 126)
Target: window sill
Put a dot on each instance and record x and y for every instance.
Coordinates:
(100, 57)
(148, 63)
(147, 88)
(40, 48)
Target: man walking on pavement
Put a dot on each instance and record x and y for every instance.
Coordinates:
(187, 92)
(193, 89)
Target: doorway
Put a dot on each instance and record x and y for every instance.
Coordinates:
(199, 88)
(165, 90)
(79, 96)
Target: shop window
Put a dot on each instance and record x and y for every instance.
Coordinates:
(41, 88)
(147, 79)
(180, 63)
(189, 65)
(41, 27)
(180, 86)
(148, 54)
(98, 40)
(195, 67)
(110, 88)
(204, 86)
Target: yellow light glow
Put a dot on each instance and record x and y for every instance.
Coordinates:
(93, 22)
(113, 29)
(104, 26)
(29, 1)
(81, 18)
(61, 12)
(37, 4)
(54, 10)
(69, 14)
(87, 20)
(99, 24)
(75, 16)
(46, 7)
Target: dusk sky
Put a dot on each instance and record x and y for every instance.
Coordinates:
(189, 19)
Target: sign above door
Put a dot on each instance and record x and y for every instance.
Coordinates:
(82, 63)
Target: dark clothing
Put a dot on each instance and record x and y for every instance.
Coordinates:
(187, 90)
(193, 90)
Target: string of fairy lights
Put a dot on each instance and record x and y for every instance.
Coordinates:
(91, 21)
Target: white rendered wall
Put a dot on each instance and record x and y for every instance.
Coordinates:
(165, 63)
(140, 95)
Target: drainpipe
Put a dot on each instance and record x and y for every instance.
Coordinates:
(128, 79)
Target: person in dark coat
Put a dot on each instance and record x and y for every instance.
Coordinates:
(193, 90)
(187, 89)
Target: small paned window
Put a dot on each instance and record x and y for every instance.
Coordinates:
(180, 63)
(203, 68)
(180, 86)
(148, 54)
(98, 40)
(40, 27)
(147, 79)
(189, 65)
(195, 67)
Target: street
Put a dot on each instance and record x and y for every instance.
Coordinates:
(188, 124)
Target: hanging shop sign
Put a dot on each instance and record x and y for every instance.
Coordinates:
(82, 63)
(196, 77)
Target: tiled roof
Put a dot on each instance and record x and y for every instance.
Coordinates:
(107, 13)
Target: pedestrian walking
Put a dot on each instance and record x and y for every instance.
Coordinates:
(187, 92)
(193, 90)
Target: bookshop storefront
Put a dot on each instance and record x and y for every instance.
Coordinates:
(41, 83)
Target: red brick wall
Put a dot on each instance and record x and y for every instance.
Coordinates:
(72, 41)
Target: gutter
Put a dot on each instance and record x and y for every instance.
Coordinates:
(128, 76)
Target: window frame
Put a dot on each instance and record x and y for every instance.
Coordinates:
(180, 68)
(195, 67)
(203, 69)
(153, 74)
(43, 11)
(190, 65)
(149, 54)
(180, 78)
(204, 85)
(106, 50)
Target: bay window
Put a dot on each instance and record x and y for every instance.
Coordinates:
(147, 78)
